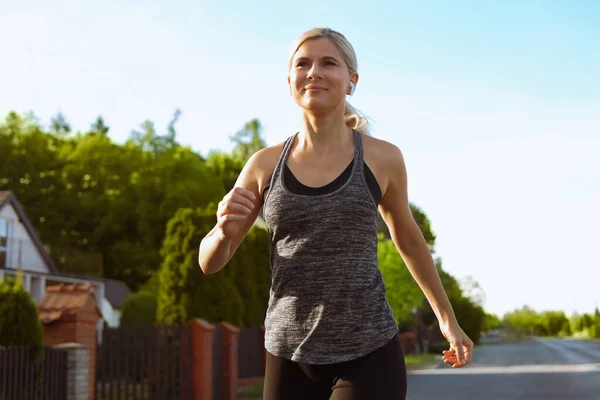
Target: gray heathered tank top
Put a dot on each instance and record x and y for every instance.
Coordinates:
(327, 300)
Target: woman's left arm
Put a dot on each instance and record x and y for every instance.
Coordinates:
(411, 245)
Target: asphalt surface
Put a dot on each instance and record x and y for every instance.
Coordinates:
(545, 369)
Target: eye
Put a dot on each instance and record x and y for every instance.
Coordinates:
(301, 64)
(329, 62)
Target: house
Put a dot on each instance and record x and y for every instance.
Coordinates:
(21, 249)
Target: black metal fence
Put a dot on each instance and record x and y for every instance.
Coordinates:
(23, 377)
(250, 353)
(149, 362)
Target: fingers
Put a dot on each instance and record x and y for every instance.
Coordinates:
(468, 352)
(452, 357)
(460, 353)
(235, 208)
(449, 357)
(237, 201)
(461, 347)
(243, 194)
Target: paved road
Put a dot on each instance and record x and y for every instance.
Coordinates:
(538, 369)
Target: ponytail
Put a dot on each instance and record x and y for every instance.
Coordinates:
(356, 120)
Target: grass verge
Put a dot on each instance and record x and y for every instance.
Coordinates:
(420, 361)
(252, 391)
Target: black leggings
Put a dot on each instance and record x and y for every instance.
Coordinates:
(380, 375)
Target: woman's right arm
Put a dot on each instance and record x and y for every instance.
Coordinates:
(236, 214)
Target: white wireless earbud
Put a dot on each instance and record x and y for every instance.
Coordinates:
(352, 87)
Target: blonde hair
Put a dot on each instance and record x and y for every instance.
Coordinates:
(353, 118)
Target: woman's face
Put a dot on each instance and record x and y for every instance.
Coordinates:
(319, 78)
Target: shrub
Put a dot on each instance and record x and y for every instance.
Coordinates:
(139, 309)
(20, 324)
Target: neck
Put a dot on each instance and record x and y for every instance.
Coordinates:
(326, 133)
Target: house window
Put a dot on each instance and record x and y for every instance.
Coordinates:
(4, 231)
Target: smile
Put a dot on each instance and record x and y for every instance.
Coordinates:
(314, 88)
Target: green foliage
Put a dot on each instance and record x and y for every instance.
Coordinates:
(402, 291)
(225, 167)
(551, 323)
(19, 320)
(586, 321)
(101, 208)
(248, 140)
(586, 325)
(490, 322)
(139, 309)
(525, 320)
(547, 323)
(470, 316)
(595, 330)
(238, 294)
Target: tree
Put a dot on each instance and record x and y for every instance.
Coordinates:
(472, 290)
(171, 136)
(524, 320)
(248, 140)
(19, 320)
(99, 127)
(237, 294)
(402, 292)
(586, 321)
(471, 316)
(491, 321)
(99, 207)
(554, 322)
(59, 124)
(184, 291)
(225, 167)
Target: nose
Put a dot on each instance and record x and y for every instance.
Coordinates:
(314, 72)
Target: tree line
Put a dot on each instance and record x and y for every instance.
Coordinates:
(136, 212)
(553, 323)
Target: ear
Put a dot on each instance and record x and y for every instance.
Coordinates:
(354, 80)
(289, 84)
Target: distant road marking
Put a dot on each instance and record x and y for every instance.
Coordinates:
(512, 369)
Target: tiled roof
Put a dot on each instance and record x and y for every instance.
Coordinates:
(62, 300)
(115, 291)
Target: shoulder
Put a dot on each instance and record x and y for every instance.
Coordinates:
(260, 165)
(385, 159)
(389, 152)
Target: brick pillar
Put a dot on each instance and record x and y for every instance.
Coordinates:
(202, 341)
(231, 336)
(87, 335)
(77, 370)
(78, 327)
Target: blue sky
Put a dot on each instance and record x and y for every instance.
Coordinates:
(495, 105)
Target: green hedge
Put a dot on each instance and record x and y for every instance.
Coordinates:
(139, 309)
(20, 324)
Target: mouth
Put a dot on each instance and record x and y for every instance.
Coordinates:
(314, 88)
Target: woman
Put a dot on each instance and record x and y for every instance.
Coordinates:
(329, 330)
